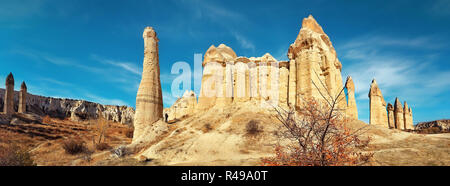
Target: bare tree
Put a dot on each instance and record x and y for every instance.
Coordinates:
(317, 136)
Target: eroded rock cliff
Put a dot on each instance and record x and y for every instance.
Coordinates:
(76, 110)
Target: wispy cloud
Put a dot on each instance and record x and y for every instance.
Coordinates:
(243, 41)
(105, 101)
(127, 66)
(415, 78)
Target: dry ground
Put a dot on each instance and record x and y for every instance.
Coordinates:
(45, 141)
(217, 136)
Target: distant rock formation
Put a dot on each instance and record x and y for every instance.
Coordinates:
(443, 125)
(23, 98)
(75, 110)
(352, 111)
(391, 122)
(378, 115)
(183, 107)
(407, 116)
(149, 103)
(8, 108)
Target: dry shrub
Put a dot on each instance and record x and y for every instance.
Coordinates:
(129, 132)
(318, 137)
(102, 146)
(207, 127)
(253, 128)
(73, 146)
(46, 119)
(100, 127)
(15, 156)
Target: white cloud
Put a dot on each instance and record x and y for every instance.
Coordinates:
(105, 101)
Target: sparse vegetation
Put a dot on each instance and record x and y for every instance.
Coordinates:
(253, 128)
(15, 156)
(46, 119)
(73, 146)
(317, 136)
(100, 127)
(207, 127)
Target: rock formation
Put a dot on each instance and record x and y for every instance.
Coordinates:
(443, 125)
(8, 108)
(318, 68)
(352, 111)
(23, 98)
(407, 116)
(391, 118)
(75, 110)
(398, 115)
(149, 105)
(401, 116)
(183, 107)
(378, 114)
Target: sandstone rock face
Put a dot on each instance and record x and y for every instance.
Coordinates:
(352, 111)
(292, 82)
(407, 117)
(23, 98)
(318, 68)
(9, 95)
(149, 105)
(398, 115)
(284, 83)
(76, 110)
(183, 107)
(391, 118)
(378, 114)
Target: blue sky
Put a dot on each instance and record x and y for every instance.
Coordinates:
(93, 49)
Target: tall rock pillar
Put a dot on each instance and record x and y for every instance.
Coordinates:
(23, 98)
(292, 80)
(8, 107)
(378, 114)
(398, 115)
(149, 103)
(390, 110)
(407, 116)
(352, 111)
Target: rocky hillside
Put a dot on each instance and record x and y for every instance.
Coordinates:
(75, 110)
(443, 124)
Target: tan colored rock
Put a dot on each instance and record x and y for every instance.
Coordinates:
(378, 114)
(292, 83)
(183, 107)
(217, 80)
(318, 69)
(23, 98)
(352, 111)
(398, 115)
(149, 103)
(283, 83)
(8, 107)
(407, 117)
(242, 83)
(391, 118)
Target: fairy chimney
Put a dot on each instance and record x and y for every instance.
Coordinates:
(378, 114)
(23, 98)
(149, 103)
(8, 107)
